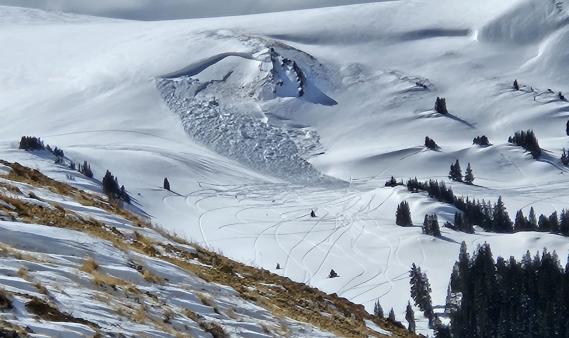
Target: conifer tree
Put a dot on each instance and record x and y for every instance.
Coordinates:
(532, 220)
(431, 226)
(378, 310)
(166, 184)
(469, 177)
(392, 316)
(564, 222)
(500, 218)
(421, 291)
(391, 183)
(567, 128)
(430, 143)
(565, 158)
(403, 215)
(455, 172)
(520, 223)
(516, 85)
(441, 105)
(410, 317)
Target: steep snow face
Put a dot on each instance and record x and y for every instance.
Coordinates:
(528, 22)
(222, 102)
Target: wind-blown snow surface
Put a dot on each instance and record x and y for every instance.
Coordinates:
(90, 89)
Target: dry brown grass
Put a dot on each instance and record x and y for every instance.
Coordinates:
(41, 288)
(23, 273)
(48, 312)
(8, 329)
(5, 302)
(89, 265)
(152, 278)
(8, 251)
(205, 299)
(103, 280)
(297, 301)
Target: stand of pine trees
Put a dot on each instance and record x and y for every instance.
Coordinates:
(473, 211)
(430, 143)
(507, 298)
(112, 189)
(528, 141)
(403, 215)
(481, 141)
(30, 143)
(431, 226)
(441, 105)
(85, 169)
(455, 172)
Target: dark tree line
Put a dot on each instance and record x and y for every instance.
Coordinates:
(490, 217)
(30, 143)
(506, 298)
(113, 190)
(556, 223)
(528, 141)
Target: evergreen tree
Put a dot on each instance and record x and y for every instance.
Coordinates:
(410, 317)
(391, 183)
(564, 158)
(528, 141)
(30, 143)
(332, 274)
(278, 266)
(500, 218)
(532, 220)
(421, 292)
(166, 184)
(543, 224)
(481, 141)
(520, 222)
(567, 128)
(112, 189)
(561, 96)
(378, 310)
(85, 169)
(516, 85)
(430, 143)
(469, 177)
(564, 223)
(455, 172)
(403, 215)
(431, 226)
(391, 317)
(554, 223)
(441, 105)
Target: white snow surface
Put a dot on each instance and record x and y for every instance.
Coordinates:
(95, 89)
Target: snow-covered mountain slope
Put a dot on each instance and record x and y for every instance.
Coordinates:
(74, 265)
(370, 75)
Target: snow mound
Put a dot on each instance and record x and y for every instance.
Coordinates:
(528, 22)
(221, 101)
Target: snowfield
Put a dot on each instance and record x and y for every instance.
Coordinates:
(257, 120)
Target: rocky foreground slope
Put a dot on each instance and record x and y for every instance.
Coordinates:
(72, 264)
